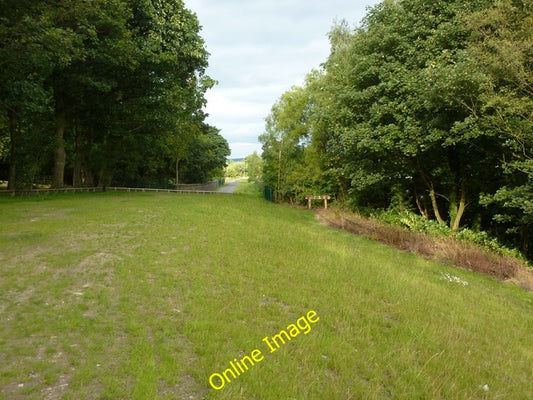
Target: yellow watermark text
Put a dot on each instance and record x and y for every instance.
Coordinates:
(237, 367)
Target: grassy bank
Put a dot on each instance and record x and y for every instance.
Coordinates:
(499, 263)
(146, 296)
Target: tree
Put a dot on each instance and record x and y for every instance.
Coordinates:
(206, 158)
(254, 167)
(501, 49)
(99, 85)
(235, 169)
(393, 131)
(30, 48)
(426, 106)
(285, 142)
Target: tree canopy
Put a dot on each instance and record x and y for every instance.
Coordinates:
(426, 106)
(100, 92)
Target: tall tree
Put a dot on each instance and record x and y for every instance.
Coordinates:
(107, 80)
(207, 155)
(254, 167)
(31, 47)
(502, 49)
(283, 142)
(394, 128)
(426, 106)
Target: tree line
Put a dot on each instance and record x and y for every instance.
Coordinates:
(103, 92)
(427, 106)
(251, 166)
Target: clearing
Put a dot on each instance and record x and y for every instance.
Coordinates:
(147, 295)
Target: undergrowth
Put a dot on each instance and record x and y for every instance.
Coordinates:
(417, 223)
(465, 249)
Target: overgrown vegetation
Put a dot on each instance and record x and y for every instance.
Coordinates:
(417, 223)
(426, 107)
(464, 249)
(144, 296)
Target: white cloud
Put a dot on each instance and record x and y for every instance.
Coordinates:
(259, 49)
(243, 149)
(228, 105)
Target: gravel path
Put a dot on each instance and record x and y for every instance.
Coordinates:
(229, 188)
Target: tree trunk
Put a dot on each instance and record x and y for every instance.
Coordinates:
(278, 188)
(525, 240)
(459, 211)
(77, 180)
(177, 172)
(87, 165)
(59, 152)
(435, 205)
(105, 176)
(456, 208)
(422, 208)
(87, 170)
(13, 151)
(432, 195)
(88, 176)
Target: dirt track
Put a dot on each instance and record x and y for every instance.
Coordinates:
(229, 188)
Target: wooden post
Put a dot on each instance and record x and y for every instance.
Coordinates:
(310, 197)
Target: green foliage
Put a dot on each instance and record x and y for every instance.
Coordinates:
(254, 167)
(417, 223)
(290, 158)
(206, 159)
(427, 105)
(413, 222)
(501, 49)
(235, 169)
(113, 88)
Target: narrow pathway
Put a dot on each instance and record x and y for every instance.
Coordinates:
(229, 188)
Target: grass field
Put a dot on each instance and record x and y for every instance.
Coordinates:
(148, 296)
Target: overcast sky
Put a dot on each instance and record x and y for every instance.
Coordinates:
(259, 49)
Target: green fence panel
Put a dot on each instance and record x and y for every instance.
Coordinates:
(268, 192)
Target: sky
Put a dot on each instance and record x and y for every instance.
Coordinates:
(259, 50)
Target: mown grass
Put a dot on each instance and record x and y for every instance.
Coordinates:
(250, 188)
(144, 296)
